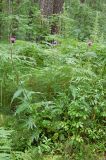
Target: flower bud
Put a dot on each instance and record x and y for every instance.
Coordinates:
(12, 39)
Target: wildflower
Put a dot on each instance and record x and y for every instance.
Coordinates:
(90, 43)
(12, 39)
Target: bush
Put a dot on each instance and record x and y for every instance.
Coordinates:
(62, 105)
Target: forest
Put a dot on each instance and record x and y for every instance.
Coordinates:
(52, 79)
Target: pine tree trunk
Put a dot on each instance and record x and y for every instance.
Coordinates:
(0, 19)
(58, 6)
(57, 9)
(46, 7)
(49, 8)
(82, 1)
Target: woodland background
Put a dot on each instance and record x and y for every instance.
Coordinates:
(52, 79)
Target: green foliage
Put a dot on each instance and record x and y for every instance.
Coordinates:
(24, 20)
(85, 18)
(54, 96)
(5, 144)
(59, 103)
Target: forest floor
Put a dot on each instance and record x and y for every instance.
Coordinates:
(5, 144)
(6, 151)
(50, 57)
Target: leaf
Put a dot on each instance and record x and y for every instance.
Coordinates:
(73, 91)
(30, 123)
(90, 55)
(71, 61)
(22, 108)
(17, 94)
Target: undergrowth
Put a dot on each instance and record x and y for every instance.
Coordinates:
(58, 98)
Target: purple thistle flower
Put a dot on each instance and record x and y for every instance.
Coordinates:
(90, 43)
(12, 39)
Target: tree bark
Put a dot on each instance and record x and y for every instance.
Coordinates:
(49, 8)
(46, 7)
(0, 19)
(57, 9)
(82, 1)
(58, 6)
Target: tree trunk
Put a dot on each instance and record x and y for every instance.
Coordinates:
(57, 9)
(82, 1)
(49, 8)
(46, 7)
(0, 19)
(58, 6)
